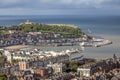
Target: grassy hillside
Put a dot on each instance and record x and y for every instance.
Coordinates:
(65, 30)
(4, 32)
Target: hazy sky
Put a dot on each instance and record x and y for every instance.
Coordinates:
(59, 7)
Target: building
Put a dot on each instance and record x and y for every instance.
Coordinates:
(28, 75)
(57, 68)
(3, 58)
(27, 22)
(41, 72)
(23, 65)
(84, 72)
(74, 54)
(8, 55)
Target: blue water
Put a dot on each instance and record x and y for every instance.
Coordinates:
(105, 26)
(98, 24)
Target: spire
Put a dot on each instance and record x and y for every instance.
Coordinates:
(114, 57)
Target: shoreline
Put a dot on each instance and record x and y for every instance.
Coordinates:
(92, 52)
(16, 47)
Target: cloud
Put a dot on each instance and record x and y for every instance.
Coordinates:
(57, 5)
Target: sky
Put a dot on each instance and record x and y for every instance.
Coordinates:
(59, 7)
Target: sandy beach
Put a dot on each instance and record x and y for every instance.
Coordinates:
(90, 52)
(16, 47)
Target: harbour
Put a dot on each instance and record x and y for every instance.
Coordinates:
(94, 51)
(60, 40)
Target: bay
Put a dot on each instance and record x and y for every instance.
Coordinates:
(107, 27)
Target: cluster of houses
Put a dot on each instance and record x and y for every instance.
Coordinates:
(37, 64)
(43, 56)
(103, 69)
(34, 38)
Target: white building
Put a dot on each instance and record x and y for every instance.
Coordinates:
(8, 54)
(27, 22)
(74, 54)
(84, 72)
(57, 68)
(21, 57)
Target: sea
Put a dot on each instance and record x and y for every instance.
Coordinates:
(104, 26)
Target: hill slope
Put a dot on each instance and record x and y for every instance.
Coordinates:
(65, 30)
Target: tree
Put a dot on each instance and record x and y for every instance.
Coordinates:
(71, 66)
(3, 76)
(65, 30)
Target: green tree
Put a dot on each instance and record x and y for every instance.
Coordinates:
(3, 76)
(65, 30)
(71, 66)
